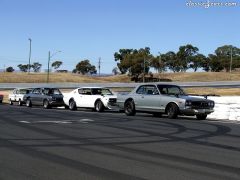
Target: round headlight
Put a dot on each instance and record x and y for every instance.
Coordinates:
(188, 103)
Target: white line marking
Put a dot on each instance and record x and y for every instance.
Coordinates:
(26, 122)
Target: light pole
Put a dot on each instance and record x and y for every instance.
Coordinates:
(49, 59)
(30, 51)
(230, 69)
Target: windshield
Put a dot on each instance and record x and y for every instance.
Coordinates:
(52, 91)
(100, 91)
(24, 91)
(171, 90)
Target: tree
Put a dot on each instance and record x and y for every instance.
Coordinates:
(198, 61)
(56, 64)
(23, 67)
(115, 71)
(214, 63)
(85, 67)
(10, 69)
(134, 61)
(159, 63)
(172, 61)
(185, 55)
(36, 66)
(223, 56)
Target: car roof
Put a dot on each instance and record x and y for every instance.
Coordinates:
(93, 87)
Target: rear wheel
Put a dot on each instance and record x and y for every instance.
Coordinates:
(72, 105)
(129, 108)
(172, 111)
(46, 104)
(28, 103)
(10, 102)
(20, 102)
(99, 107)
(201, 116)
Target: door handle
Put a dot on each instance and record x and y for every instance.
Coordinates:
(142, 96)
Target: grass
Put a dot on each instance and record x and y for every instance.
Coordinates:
(77, 78)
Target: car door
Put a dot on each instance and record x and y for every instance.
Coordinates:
(88, 99)
(79, 97)
(147, 98)
(35, 96)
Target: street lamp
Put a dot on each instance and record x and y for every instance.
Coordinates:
(30, 51)
(49, 59)
(230, 69)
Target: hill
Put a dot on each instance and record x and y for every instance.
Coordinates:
(77, 78)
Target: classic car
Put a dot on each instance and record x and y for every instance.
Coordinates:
(96, 98)
(161, 99)
(1, 98)
(46, 97)
(17, 95)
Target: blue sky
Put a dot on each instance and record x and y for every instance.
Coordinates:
(89, 29)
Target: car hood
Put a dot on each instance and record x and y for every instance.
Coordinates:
(194, 99)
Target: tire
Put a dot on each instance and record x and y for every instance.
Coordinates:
(201, 116)
(10, 102)
(46, 104)
(20, 102)
(172, 111)
(28, 103)
(99, 107)
(72, 105)
(129, 108)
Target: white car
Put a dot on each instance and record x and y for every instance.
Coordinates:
(17, 96)
(96, 98)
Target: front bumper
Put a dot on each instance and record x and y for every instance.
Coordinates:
(192, 112)
(56, 103)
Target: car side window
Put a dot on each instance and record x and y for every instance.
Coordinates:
(87, 92)
(80, 91)
(36, 91)
(140, 90)
(151, 90)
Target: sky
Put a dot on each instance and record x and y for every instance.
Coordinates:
(89, 29)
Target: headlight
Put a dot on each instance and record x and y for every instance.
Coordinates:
(188, 103)
(212, 104)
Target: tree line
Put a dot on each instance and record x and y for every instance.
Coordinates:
(136, 62)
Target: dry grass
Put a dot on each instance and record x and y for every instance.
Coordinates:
(202, 76)
(58, 77)
(77, 78)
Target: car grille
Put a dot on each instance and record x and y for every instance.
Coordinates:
(200, 105)
(112, 101)
(58, 99)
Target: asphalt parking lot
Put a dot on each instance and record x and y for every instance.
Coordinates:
(58, 144)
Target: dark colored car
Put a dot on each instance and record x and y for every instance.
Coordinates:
(46, 97)
(1, 98)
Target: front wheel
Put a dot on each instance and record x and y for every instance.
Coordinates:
(10, 102)
(129, 108)
(99, 107)
(201, 116)
(46, 104)
(28, 103)
(172, 111)
(72, 105)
